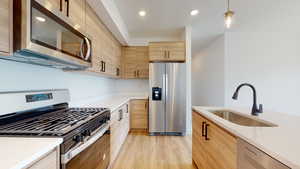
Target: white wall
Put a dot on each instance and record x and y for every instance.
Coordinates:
(208, 75)
(18, 76)
(268, 60)
(271, 62)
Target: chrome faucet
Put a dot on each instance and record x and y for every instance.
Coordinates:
(255, 110)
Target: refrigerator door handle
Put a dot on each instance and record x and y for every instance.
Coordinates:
(166, 86)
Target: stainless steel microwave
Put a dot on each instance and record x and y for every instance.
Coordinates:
(44, 36)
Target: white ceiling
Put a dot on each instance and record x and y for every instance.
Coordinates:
(168, 17)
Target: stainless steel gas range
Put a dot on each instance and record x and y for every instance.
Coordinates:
(46, 113)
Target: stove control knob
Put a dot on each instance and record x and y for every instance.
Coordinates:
(78, 138)
(86, 133)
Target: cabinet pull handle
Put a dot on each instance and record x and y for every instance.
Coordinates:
(60, 5)
(138, 73)
(206, 133)
(135, 73)
(68, 4)
(104, 66)
(203, 126)
(120, 115)
(169, 54)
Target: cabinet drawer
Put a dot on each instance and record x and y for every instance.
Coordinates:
(249, 157)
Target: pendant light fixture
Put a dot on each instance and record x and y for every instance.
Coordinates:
(228, 15)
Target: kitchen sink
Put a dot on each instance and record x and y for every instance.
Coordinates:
(242, 120)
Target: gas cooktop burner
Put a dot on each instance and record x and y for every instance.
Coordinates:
(55, 123)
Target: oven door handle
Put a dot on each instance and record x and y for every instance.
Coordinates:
(65, 158)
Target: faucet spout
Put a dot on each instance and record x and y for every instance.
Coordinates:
(255, 110)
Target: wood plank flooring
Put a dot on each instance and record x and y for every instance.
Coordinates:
(141, 151)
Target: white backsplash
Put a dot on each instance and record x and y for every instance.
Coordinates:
(19, 76)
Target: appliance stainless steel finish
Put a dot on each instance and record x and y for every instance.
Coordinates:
(46, 37)
(46, 113)
(167, 105)
(249, 157)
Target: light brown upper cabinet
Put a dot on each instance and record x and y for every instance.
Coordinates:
(106, 54)
(135, 62)
(5, 27)
(167, 51)
(76, 13)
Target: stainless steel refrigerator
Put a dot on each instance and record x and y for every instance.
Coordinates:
(167, 103)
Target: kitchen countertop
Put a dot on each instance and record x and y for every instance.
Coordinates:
(20, 152)
(112, 102)
(281, 142)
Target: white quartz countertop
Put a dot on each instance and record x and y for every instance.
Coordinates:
(20, 152)
(281, 142)
(113, 102)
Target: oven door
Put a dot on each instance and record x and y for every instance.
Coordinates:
(49, 33)
(92, 154)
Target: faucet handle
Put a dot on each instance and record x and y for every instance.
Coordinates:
(260, 108)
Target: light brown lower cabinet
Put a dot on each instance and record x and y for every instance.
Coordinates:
(139, 114)
(213, 147)
(119, 128)
(49, 161)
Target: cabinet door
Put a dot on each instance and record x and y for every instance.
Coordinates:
(135, 62)
(198, 147)
(119, 130)
(142, 55)
(219, 151)
(221, 148)
(167, 51)
(77, 13)
(139, 114)
(129, 63)
(176, 51)
(157, 51)
(5, 26)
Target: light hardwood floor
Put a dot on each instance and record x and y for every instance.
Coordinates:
(141, 151)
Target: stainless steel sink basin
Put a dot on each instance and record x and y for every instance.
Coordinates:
(242, 120)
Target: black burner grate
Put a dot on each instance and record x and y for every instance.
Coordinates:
(56, 123)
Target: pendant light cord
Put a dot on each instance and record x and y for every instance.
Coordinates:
(228, 3)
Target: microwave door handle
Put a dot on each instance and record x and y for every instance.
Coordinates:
(81, 48)
(88, 53)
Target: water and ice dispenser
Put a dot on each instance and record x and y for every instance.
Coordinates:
(156, 93)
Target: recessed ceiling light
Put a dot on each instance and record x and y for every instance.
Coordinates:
(142, 13)
(41, 19)
(194, 12)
